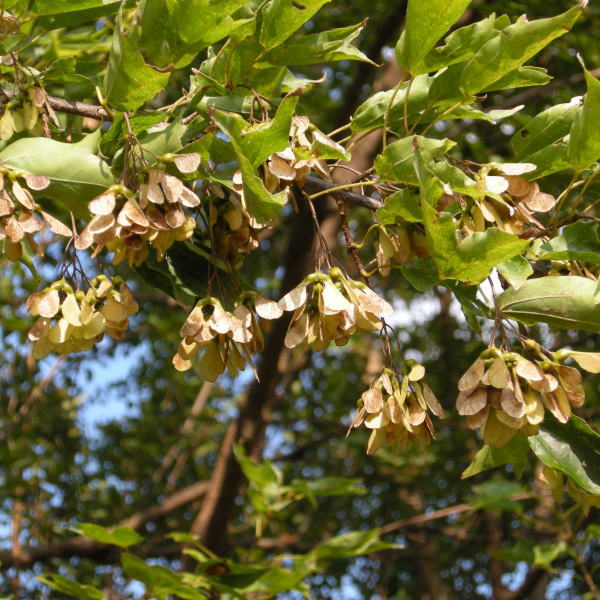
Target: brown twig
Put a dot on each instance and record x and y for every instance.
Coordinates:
(72, 107)
(81, 546)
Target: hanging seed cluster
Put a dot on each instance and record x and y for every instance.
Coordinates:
(510, 201)
(554, 481)
(24, 114)
(226, 339)
(127, 223)
(73, 321)
(402, 244)
(295, 163)
(233, 232)
(20, 216)
(397, 410)
(503, 392)
(330, 307)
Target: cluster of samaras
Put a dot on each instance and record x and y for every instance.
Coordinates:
(327, 307)
(20, 216)
(396, 407)
(126, 222)
(228, 339)
(503, 392)
(23, 113)
(510, 201)
(73, 321)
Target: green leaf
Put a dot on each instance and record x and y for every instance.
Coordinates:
(258, 142)
(282, 17)
(260, 475)
(522, 77)
(578, 241)
(544, 555)
(121, 536)
(70, 588)
(129, 80)
(515, 271)
(571, 448)
(371, 113)
(514, 453)
(329, 486)
(544, 140)
(584, 144)
(496, 494)
(162, 582)
(471, 259)
(327, 46)
(172, 33)
(114, 138)
(233, 71)
(522, 551)
(562, 301)
(421, 274)
(252, 149)
(426, 23)
(463, 43)
(507, 52)
(544, 129)
(400, 206)
(77, 174)
(347, 545)
(67, 13)
(396, 162)
(470, 305)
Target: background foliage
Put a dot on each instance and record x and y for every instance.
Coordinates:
(116, 437)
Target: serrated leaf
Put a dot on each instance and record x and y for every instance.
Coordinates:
(578, 241)
(261, 475)
(129, 80)
(496, 494)
(172, 33)
(396, 162)
(463, 43)
(162, 582)
(472, 308)
(66, 13)
(327, 46)
(522, 551)
(522, 77)
(354, 543)
(70, 588)
(544, 555)
(507, 52)
(77, 174)
(515, 271)
(563, 301)
(400, 206)
(121, 536)
(544, 129)
(514, 453)
(471, 259)
(584, 143)
(282, 17)
(421, 274)
(426, 23)
(572, 448)
(371, 113)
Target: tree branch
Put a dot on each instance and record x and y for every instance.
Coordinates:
(72, 107)
(314, 185)
(82, 546)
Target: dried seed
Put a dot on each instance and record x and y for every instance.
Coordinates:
(187, 163)
(103, 204)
